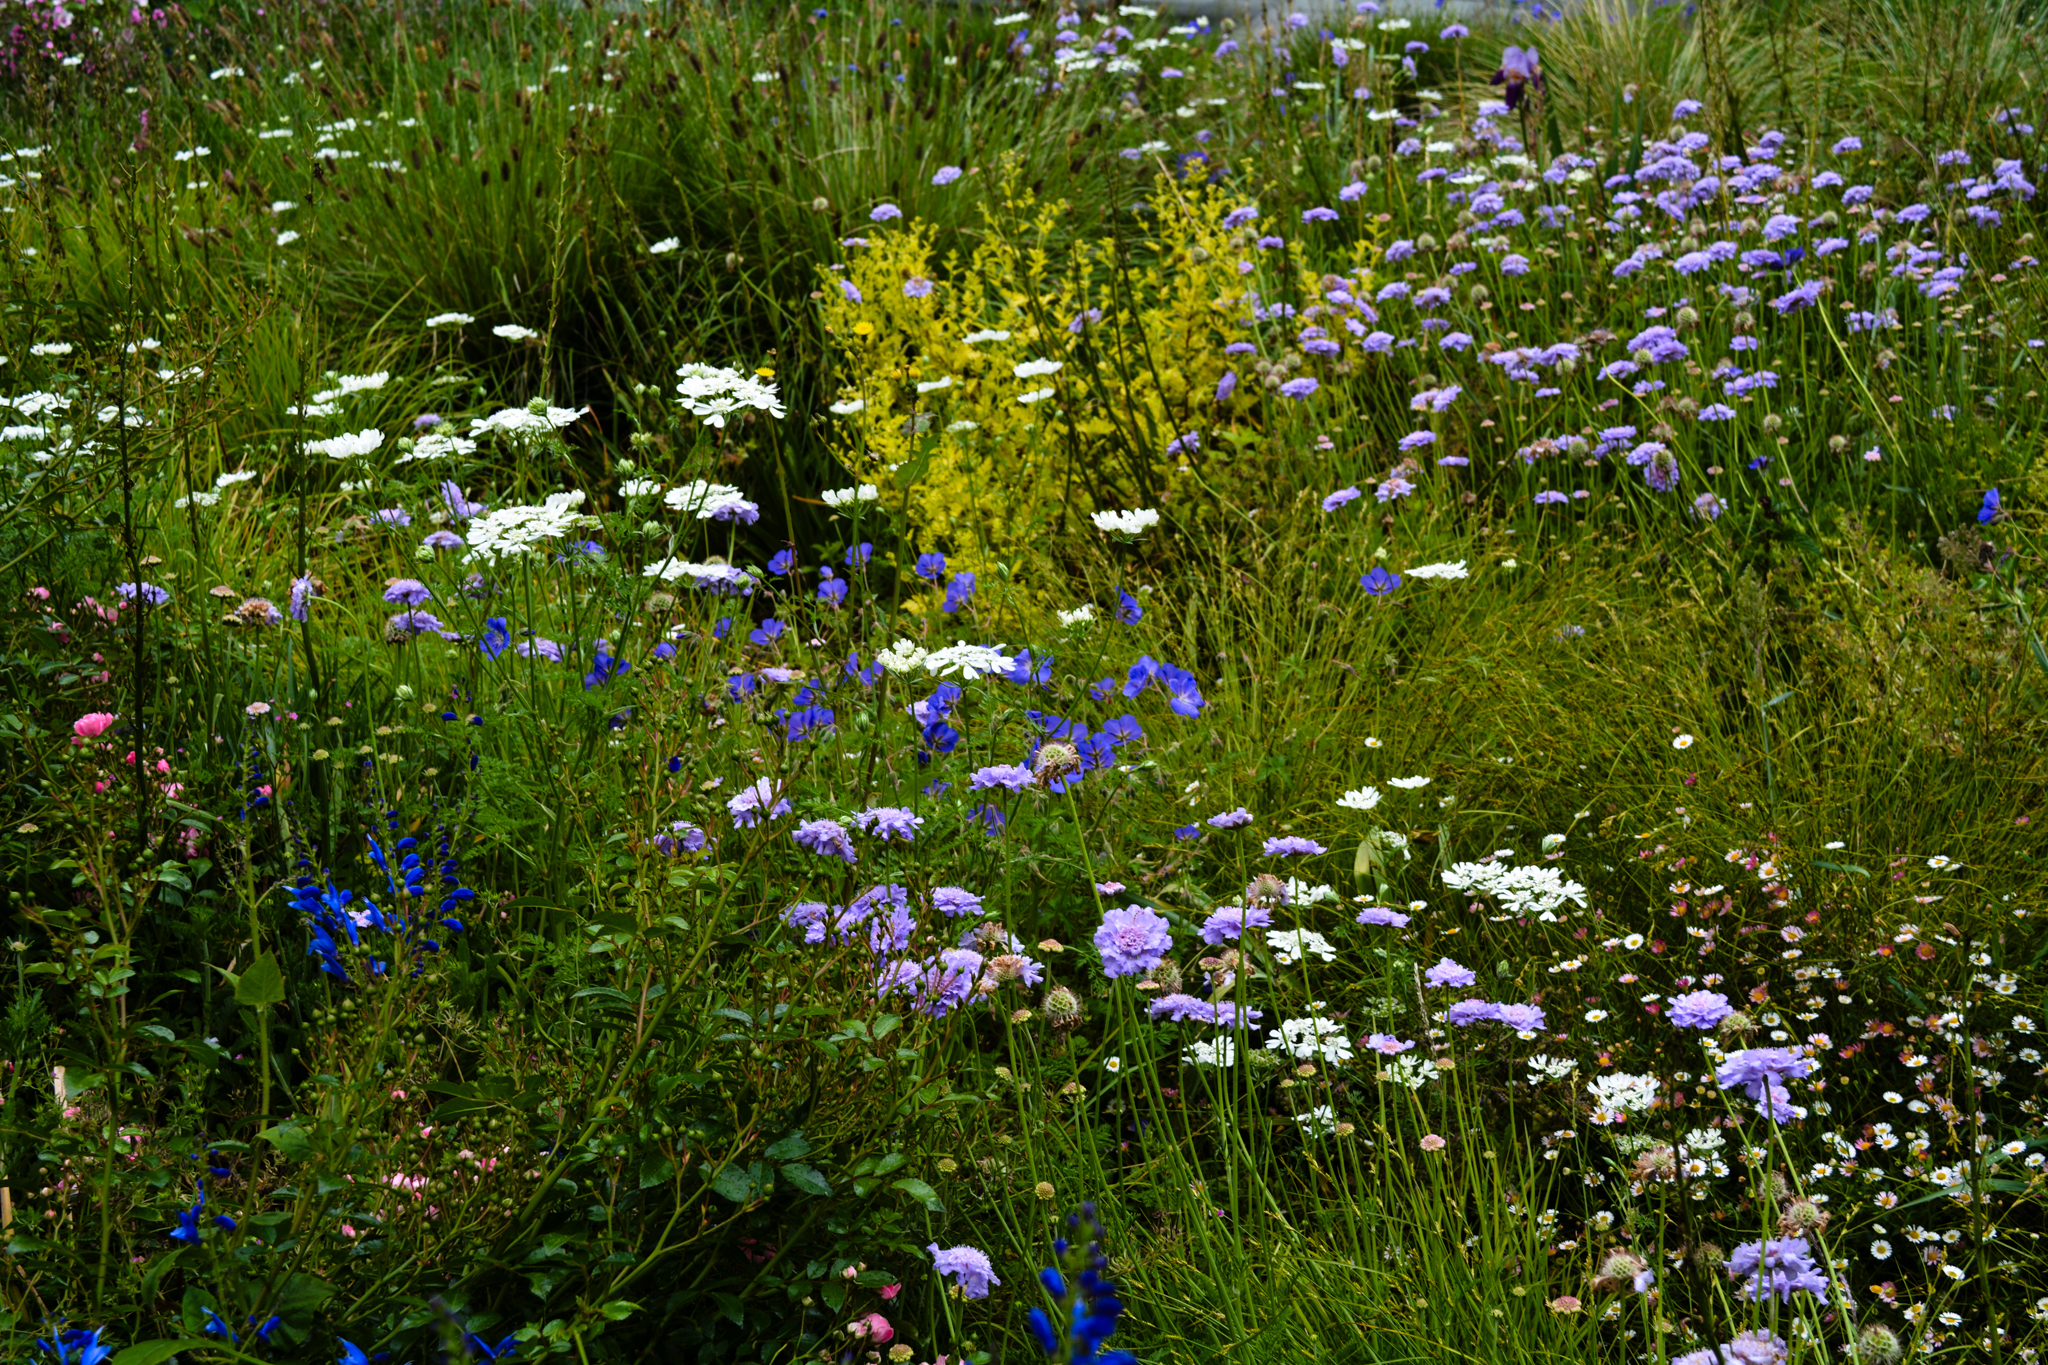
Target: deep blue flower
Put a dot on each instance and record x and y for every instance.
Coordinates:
(767, 632)
(497, 637)
(931, 566)
(1128, 612)
(79, 1346)
(958, 590)
(1991, 510)
(604, 667)
(782, 562)
(1379, 582)
(857, 556)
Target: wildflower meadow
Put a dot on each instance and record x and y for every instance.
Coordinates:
(940, 683)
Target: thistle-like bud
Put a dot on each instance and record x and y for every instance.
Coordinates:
(1773, 423)
(1056, 760)
(1425, 242)
(1737, 1023)
(1878, 1345)
(1166, 975)
(1266, 889)
(1802, 1215)
(1061, 1007)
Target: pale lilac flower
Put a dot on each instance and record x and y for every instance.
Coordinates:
(826, 838)
(1231, 921)
(1447, 973)
(1699, 1009)
(1132, 941)
(954, 901)
(1286, 845)
(1230, 819)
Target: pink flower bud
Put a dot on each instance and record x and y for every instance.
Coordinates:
(92, 724)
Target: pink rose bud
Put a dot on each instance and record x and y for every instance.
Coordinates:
(92, 724)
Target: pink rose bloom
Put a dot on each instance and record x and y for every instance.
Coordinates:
(890, 1291)
(92, 724)
(874, 1327)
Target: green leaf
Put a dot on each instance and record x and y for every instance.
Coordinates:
(806, 1178)
(290, 1140)
(890, 1163)
(157, 1352)
(262, 985)
(732, 1182)
(790, 1148)
(921, 1192)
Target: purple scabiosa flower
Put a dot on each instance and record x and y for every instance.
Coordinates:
(145, 592)
(969, 1267)
(680, 838)
(392, 516)
(1708, 507)
(851, 291)
(1757, 1347)
(1550, 496)
(1380, 915)
(1699, 1009)
(917, 287)
(539, 648)
(1289, 845)
(954, 901)
(1387, 490)
(1238, 217)
(1760, 1073)
(1387, 1045)
(1379, 582)
(443, 539)
(1514, 263)
(1455, 341)
(1781, 1265)
(882, 213)
(1300, 388)
(1181, 1008)
(405, 625)
(1447, 973)
(748, 805)
(1319, 215)
(1716, 412)
(1340, 498)
(409, 591)
(1416, 440)
(826, 838)
(887, 822)
(1520, 1018)
(458, 503)
(1230, 819)
(1132, 941)
(1230, 922)
(1662, 472)
(946, 175)
(304, 590)
(1009, 777)
(1468, 1012)
(426, 421)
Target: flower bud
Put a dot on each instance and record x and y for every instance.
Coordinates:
(1056, 760)
(1878, 1345)
(1062, 1008)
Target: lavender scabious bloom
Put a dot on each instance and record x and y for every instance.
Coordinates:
(1760, 1072)
(304, 591)
(917, 287)
(1226, 386)
(1379, 914)
(882, 213)
(1754, 1348)
(946, 175)
(954, 901)
(442, 540)
(1232, 920)
(1132, 941)
(682, 837)
(888, 822)
(1299, 388)
(1010, 777)
(1520, 1018)
(1468, 1012)
(409, 591)
(747, 806)
(539, 647)
(1449, 973)
(1340, 498)
(1181, 1008)
(826, 838)
(147, 592)
(969, 1267)
(406, 624)
(852, 291)
(1287, 845)
(392, 516)
(1782, 1266)
(1700, 1009)
(1230, 819)
(1415, 440)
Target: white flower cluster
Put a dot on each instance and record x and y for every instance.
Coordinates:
(707, 500)
(847, 497)
(535, 419)
(1456, 570)
(1362, 798)
(1126, 523)
(1293, 945)
(1619, 1094)
(347, 444)
(1538, 891)
(512, 531)
(1311, 1039)
(722, 577)
(969, 661)
(437, 445)
(714, 393)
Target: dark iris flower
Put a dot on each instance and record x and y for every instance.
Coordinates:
(1379, 582)
(1992, 510)
(1519, 68)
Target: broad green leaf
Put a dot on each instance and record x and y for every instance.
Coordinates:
(921, 1192)
(262, 985)
(157, 1352)
(790, 1148)
(806, 1178)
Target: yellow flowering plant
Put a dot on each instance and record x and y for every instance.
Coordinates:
(1044, 372)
